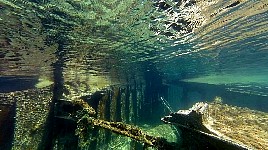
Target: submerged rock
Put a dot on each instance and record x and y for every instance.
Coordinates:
(220, 126)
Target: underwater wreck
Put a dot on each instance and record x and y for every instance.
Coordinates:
(222, 126)
(81, 124)
(79, 75)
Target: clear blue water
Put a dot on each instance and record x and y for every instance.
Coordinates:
(193, 50)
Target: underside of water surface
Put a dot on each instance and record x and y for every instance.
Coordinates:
(100, 74)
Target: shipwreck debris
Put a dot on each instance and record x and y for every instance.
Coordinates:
(84, 118)
(220, 126)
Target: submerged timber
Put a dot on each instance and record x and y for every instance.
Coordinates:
(223, 126)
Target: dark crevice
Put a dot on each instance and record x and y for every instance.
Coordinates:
(47, 142)
(232, 5)
(7, 125)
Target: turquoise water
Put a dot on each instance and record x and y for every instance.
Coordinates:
(184, 51)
